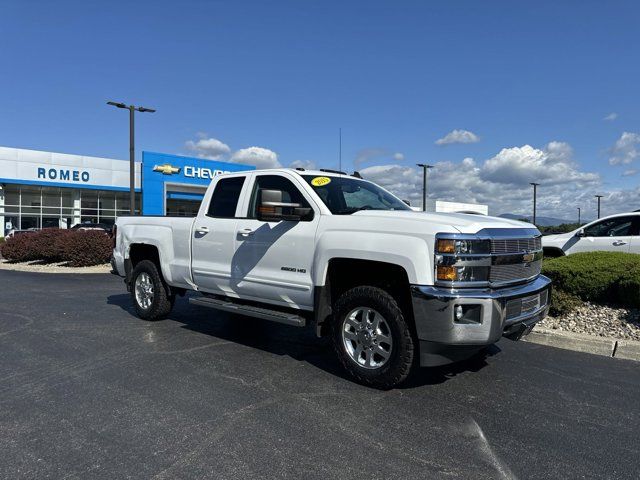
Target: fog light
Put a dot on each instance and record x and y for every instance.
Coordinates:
(459, 312)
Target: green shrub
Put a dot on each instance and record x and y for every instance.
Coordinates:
(563, 303)
(599, 277)
(77, 248)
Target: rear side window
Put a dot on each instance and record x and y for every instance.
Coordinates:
(224, 200)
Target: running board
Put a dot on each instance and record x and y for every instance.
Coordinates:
(250, 311)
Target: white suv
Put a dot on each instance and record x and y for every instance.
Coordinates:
(616, 233)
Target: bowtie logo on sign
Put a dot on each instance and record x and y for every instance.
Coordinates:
(166, 169)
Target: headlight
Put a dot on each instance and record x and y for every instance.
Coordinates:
(462, 247)
(461, 261)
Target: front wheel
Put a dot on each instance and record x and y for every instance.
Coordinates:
(149, 292)
(372, 338)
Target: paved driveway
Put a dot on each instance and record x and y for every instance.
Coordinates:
(87, 390)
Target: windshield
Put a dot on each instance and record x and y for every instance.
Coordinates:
(346, 195)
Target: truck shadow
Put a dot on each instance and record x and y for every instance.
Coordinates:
(301, 344)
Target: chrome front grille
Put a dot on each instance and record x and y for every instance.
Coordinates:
(521, 306)
(515, 245)
(514, 272)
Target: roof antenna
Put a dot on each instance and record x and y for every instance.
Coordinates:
(340, 149)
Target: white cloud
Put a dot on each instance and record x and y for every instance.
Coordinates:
(611, 117)
(208, 147)
(522, 165)
(625, 150)
(306, 164)
(629, 173)
(398, 156)
(458, 136)
(258, 156)
(502, 181)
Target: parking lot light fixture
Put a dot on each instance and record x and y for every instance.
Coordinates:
(599, 197)
(535, 190)
(132, 165)
(578, 216)
(424, 167)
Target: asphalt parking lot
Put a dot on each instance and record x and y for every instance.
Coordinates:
(87, 390)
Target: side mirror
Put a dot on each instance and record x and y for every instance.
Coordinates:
(580, 233)
(271, 208)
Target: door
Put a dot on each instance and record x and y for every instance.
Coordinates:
(213, 237)
(273, 260)
(610, 235)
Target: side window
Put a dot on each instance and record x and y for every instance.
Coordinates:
(612, 227)
(291, 193)
(224, 200)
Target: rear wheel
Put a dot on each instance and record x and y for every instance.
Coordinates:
(149, 292)
(372, 338)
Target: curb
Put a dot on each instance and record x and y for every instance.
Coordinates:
(52, 268)
(607, 347)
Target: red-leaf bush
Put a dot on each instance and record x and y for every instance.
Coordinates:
(76, 247)
(46, 243)
(86, 248)
(18, 249)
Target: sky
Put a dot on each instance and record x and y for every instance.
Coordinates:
(494, 94)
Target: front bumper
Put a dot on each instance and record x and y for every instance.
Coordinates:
(438, 331)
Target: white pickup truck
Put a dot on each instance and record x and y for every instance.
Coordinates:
(394, 288)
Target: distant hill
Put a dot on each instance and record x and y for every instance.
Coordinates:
(541, 221)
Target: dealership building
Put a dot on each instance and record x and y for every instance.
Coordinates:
(46, 189)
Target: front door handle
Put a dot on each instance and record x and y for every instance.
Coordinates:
(202, 229)
(617, 243)
(245, 232)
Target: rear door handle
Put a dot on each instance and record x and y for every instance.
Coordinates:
(617, 243)
(245, 232)
(202, 229)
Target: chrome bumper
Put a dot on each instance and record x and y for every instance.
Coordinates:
(434, 312)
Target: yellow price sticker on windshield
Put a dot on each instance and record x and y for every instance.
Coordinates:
(320, 181)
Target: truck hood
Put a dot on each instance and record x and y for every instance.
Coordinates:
(463, 222)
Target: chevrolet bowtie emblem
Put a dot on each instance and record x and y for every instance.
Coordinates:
(166, 169)
(528, 257)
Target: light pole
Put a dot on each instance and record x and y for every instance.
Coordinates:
(132, 157)
(599, 197)
(425, 167)
(535, 190)
(578, 216)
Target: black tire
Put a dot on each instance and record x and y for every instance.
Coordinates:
(162, 302)
(399, 364)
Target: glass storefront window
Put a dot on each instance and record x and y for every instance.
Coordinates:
(50, 197)
(11, 195)
(31, 202)
(122, 203)
(27, 206)
(89, 206)
(66, 198)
